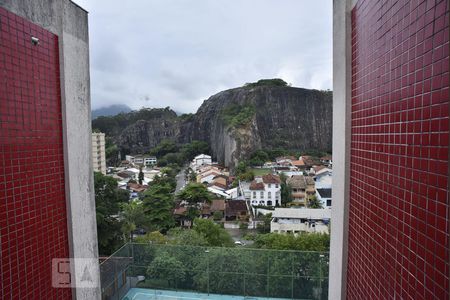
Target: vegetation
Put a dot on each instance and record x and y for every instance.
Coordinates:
(132, 216)
(235, 271)
(264, 227)
(313, 202)
(236, 116)
(194, 194)
(215, 235)
(268, 82)
(108, 200)
(301, 242)
(285, 190)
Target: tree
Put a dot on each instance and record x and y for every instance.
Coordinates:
(313, 202)
(164, 147)
(166, 267)
(132, 216)
(154, 237)
(285, 190)
(301, 242)
(158, 204)
(141, 175)
(186, 237)
(189, 151)
(258, 158)
(215, 235)
(265, 226)
(107, 206)
(194, 194)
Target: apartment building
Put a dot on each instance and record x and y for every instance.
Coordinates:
(98, 152)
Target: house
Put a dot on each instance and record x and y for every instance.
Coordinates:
(299, 164)
(302, 189)
(324, 178)
(285, 160)
(136, 187)
(297, 220)
(324, 196)
(265, 190)
(141, 159)
(309, 161)
(236, 210)
(327, 160)
(201, 160)
(218, 206)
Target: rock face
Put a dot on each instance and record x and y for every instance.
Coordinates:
(276, 117)
(285, 117)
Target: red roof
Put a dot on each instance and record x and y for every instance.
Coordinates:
(256, 185)
(270, 178)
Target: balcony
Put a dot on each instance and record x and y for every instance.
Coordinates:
(168, 271)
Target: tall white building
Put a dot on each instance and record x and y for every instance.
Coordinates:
(98, 152)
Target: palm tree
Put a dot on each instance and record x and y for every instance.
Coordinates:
(313, 202)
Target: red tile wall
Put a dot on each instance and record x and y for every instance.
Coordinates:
(399, 207)
(33, 223)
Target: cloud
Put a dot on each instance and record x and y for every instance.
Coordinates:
(179, 52)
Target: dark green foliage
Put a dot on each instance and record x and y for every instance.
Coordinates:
(301, 242)
(258, 158)
(286, 190)
(108, 199)
(195, 193)
(217, 215)
(132, 216)
(233, 271)
(267, 82)
(140, 176)
(215, 235)
(265, 226)
(188, 237)
(163, 148)
(113, 125)
(158, 204)
(111, 152)
(313, 202)
(236, 116)
(166, 267)
(194, 148)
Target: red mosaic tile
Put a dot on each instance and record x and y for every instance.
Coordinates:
(398, 217)
(33, 221)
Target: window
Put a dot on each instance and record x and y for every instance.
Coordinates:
(329, 202)
(276, 185)
(270, 185)
(261, 194)
(254, 194)
(269, 195)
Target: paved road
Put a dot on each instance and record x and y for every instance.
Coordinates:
(181, 182)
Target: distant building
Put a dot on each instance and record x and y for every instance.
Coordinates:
(98, 152)
(324, 196)
(302, 188)
(297, 220)
(201, 160)
(265, 190)
(141, 159)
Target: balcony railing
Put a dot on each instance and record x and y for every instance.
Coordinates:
(239, 271)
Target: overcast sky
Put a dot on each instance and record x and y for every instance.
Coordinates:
(177, 53)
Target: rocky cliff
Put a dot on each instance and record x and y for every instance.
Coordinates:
(279, 117)
(234, 122)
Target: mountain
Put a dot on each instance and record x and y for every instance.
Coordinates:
(239, 121)
(111, 110)
(234, 122)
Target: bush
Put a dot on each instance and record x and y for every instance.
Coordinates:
(235, 115)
